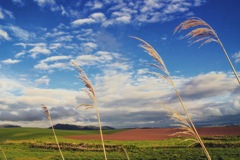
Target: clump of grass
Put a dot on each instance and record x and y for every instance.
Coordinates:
(47, 114)
(91, 93)
(204, 33)
(187, 124)
(3, 153)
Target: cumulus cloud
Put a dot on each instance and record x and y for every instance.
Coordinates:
(127, 99)
(208, 85)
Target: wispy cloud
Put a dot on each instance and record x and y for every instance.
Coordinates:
(56, 58)
(46, 64)
(236, 56)
(93, 18)
(4, 35)
(10, 61)
(100, 57)
(48, 3)
(39, 48)
(5, 13)
(42, 80)
(21, 33)
(20, 54)
(88, 47)
(19, 3)
(94, 5)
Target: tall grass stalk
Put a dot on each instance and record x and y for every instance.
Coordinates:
(3, 153)
(91, 93)
(204, 33)
(47, 114)
(166, 76)
(125, 151)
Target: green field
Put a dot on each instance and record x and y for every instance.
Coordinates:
(38, 144)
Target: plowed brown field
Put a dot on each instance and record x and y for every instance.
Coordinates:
(160, 133)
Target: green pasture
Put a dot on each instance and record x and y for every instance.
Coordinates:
(39, 144)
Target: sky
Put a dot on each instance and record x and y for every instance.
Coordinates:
(40, 38)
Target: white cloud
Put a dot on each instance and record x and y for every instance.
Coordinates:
(119, 65)
(4, 35)
(55, 34)
(18, 2)
(4, 13)
(39, 48)
(21, 44)
(56, 58)
(47, 65)
(236, 56)
(20, 33)
(67, 38)
(57, 65)
(94, 4)
(125, 97)
(42, 80)
(11, 61)
(121, 17)
(88, 47)
(97, 17)
(176, 7)
(1, 14)
(100, 57)
(54, 46)
(80, 22)
(48, 3)
(20, 54)
(198, 3)
(64, 12)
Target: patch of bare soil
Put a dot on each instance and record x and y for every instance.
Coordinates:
(159, 134)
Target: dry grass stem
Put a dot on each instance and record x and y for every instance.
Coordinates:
(3, 153)
(188, 126)
(203, 33)
(184, 126)
(91, 93)
(125, 151)
(47, 114)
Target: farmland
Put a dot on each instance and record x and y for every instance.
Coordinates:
(36, 144)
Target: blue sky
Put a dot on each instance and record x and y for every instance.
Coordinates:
(40, 38)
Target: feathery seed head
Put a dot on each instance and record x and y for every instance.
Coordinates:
(46, 112)
(202, 32)
(86, 81)
(153, 53)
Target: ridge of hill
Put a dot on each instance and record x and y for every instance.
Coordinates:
(78, 127)
(9, 126)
